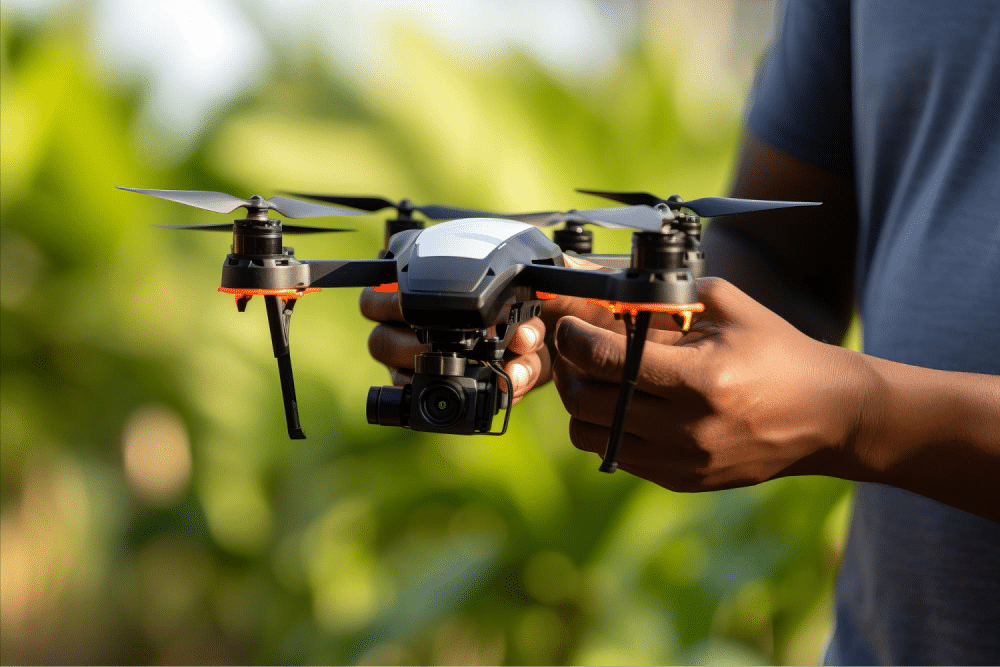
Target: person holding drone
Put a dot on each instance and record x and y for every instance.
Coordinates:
(894, 128)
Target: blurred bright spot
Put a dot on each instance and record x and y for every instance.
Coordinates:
(156, 452)
(41, 542)
(192, 55)
(551, 577)
(571, 38)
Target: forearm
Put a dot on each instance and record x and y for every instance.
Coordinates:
(936, 433)
(799, 262)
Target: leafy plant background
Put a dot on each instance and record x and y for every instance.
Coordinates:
(153, 509)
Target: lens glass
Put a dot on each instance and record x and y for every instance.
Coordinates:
(441, 404)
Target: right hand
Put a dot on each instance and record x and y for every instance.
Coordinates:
(529, 356)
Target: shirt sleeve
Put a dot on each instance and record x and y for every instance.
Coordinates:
(802, 100)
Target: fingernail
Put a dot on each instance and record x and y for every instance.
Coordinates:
(530, 335)
(519, 374)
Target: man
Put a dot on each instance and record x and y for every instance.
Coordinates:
(889, 113)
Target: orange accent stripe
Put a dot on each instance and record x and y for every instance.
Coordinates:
(286, 293)
(386, 288)
(685, 310)
(545, 296)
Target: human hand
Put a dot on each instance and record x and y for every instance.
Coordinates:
(528, 357)
(741, 398)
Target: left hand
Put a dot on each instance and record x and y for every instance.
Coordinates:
(741, 398)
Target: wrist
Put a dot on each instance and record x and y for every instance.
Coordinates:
(935, 433)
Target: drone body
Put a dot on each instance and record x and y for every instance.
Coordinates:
(465, 285)
(463, 274)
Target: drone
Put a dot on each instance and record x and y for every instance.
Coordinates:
(464, 285)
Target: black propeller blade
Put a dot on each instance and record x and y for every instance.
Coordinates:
(706, 207)
(403, 207)
(220, 202)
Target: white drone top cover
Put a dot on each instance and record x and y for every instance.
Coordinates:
(474, 238)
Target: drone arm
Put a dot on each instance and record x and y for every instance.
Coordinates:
(566, 281)
(351, 273)
(279, 314)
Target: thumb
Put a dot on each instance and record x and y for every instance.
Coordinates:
(600, 354)
(724, 301)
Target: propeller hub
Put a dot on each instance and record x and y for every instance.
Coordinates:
(257, 208)
(667, 214)
(405, 208)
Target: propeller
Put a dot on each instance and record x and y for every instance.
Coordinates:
(287, 229)
(620, 217)
(257, 208)
(706, 207)
(404, 207)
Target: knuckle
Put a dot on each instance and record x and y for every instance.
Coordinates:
(581, 435)
(376, 341)
(713, 287)
(367, 302)
(572, 398)
(607, 356)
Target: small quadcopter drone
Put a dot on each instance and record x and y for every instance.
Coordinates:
(464, 286)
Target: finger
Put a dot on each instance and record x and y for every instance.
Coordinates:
(529, 337)
(577, 262)
(600, 354)
(527, 372)
(380, 306)
(555, 309)
(399, 376)
(594, 438)
(671, 469)
(595, 402)
(520, 373)
(394, 346)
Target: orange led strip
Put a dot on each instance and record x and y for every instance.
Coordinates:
(386, 288)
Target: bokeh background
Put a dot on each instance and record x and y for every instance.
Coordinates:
(153, 508)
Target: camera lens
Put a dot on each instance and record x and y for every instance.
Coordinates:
(441, 404)
(388, 406)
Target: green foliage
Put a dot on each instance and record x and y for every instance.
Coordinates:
(360, 544)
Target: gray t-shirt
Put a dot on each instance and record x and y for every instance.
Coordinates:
(904, 96)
